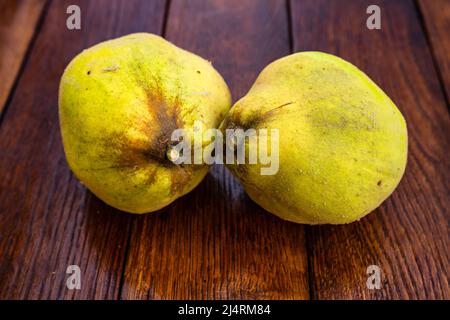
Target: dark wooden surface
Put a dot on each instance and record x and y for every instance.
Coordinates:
(18, 20)
(215, 243)
(436, 16)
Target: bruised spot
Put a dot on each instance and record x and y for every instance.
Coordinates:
(89, 72)
(379, 183)
(134, 154)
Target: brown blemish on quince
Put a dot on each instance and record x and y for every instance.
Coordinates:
(135, 155)
(235, 121)
(254, 120)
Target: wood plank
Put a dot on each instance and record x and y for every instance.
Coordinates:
(436, 15)
(18, 20)
(408, 235)
(47, 219)
(215, 243)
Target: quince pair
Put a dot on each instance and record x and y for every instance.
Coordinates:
(342, 141)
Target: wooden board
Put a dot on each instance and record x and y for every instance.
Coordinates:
(407, 237)
(18, 20)
(48, 220)
(436, 15)
(215, 243)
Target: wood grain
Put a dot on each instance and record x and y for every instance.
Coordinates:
(47, 219)
(18, 20)
(436, 15)
(215, 243)
(408, 235)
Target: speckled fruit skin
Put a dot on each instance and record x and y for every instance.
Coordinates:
(342, 141)
(119, 102)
